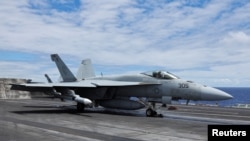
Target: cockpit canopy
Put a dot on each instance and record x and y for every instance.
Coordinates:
(161, 74)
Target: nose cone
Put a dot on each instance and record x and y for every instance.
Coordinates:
(209, 93)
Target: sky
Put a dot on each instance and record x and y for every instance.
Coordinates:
(206, 41)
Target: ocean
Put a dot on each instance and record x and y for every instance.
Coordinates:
(241, 96)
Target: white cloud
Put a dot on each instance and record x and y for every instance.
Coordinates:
(237, 38)
(205, 39)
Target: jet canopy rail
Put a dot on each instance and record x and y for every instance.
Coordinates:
(161, 74)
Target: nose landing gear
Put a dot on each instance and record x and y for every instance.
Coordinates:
(151, 111)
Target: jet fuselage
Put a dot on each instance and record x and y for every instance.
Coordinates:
(174, 88)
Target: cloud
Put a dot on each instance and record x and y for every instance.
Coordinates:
(240, 38)
(207, 38)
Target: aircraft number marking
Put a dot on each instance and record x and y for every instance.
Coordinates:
(183, 85)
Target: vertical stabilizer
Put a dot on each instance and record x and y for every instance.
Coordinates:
(66, 74)
(85, 70)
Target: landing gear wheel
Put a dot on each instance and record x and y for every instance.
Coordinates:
(150, 112)
(80, 107)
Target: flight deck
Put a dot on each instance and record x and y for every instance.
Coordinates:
(48, 119)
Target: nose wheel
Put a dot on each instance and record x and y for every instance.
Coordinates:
(150, 112)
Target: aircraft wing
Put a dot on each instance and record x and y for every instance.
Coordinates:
(110, 83)
(80, 84)
(40, 87)
(49, 86)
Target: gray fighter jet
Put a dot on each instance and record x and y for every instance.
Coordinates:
(128, 92)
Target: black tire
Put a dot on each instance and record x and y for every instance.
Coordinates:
(150, 113)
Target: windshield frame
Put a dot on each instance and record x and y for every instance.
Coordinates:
(161, 74)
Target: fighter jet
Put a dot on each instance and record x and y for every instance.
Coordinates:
(126, 92)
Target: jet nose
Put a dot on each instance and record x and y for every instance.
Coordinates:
(209, 93)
